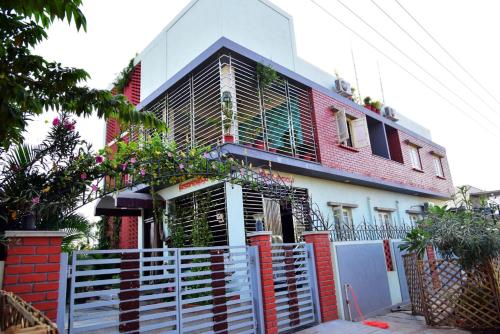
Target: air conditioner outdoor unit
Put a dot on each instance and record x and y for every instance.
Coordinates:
(343, 87)
(389, 113)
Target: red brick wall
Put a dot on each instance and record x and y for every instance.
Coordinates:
(324, 274)
(32, 271)
(364, 162)
(128, 227)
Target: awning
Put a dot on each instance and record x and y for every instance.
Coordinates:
(125, 203)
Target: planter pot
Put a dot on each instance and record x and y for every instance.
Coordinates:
(228, 139)
(272, 150)
(259, 144)
(307, 157)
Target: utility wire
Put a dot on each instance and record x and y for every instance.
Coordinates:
(433, 57)
(418, 65)
(447, 52)
(404, 68)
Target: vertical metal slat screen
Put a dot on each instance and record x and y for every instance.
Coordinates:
(212, 201)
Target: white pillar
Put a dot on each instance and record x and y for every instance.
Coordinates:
(235, 217)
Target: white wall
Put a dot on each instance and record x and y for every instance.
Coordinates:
(255, 24)
(323, 191)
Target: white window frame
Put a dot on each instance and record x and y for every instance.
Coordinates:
(356, 130)
(342, 216)
(385, 218)
(414, 152)
(414, 218)
(438, 166)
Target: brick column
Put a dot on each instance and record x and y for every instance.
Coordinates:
(433, 267)
(324, 273)
(32, 268)
(263, 241)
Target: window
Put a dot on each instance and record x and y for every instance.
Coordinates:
(385, 218)
(378, 138)
(394, 144)
(438, 166)
(353, 132)
(415, 157)
(342, 216)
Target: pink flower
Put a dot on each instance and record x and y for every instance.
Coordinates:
(181, 166)
(69, 125)
(56, 121)
(99, 159)
(35, 200)
(206, 155)
(133, 161)
(143, 172)
(94, 187)
(83, 176)
(169, 154)
(124, 166)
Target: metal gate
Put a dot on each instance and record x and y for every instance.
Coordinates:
(187, 290)
(295, 286)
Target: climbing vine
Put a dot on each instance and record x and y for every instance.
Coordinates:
(124, 77)
(266, 75)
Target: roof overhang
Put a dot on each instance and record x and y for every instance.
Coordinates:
(125, 203)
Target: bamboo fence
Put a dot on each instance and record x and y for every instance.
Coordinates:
(447, 295)
(20, 317)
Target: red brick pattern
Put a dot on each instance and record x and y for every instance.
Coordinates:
(324, 274)
(32, 271)
(128, 227)
(431, 257)
(128, 233)
(388, 255)
(363, 161)
(263, 241)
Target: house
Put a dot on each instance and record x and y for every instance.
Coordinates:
(369, 175)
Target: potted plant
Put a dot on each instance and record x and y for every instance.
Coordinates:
(227, 117)
(368, 102)
(376, 106)
(258, 141)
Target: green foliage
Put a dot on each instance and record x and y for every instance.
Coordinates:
(266, 75)
(472, 236)
(374, 104)
(416, 241)
(49, 181)
(124, 77)
(29, 84)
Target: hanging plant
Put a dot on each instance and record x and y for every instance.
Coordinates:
(124, 77)
(266, 75)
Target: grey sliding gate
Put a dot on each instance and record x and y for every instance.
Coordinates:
(294, 286)
(187, 290)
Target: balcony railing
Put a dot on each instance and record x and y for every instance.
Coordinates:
(369, 231)
(276, 118)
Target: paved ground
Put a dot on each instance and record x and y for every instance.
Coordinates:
(399, 322)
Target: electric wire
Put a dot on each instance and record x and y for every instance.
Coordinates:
(422, 82)
(447, 52)
(433, 57)
(491, 122)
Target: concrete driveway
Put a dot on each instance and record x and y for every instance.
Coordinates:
(399, 322)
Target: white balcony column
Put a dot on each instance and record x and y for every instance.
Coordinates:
(235, 217)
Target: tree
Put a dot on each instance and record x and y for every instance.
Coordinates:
(29, 84)
(47, 183)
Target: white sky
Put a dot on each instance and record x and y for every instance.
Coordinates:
(118, 29)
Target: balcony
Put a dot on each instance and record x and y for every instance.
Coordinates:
(224, 100)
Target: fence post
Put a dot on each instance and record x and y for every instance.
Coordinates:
(129, 293)
(263, 241)
(431, 257)
(253, 253)
(32, 268)
(61, 302)
(320, 241)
